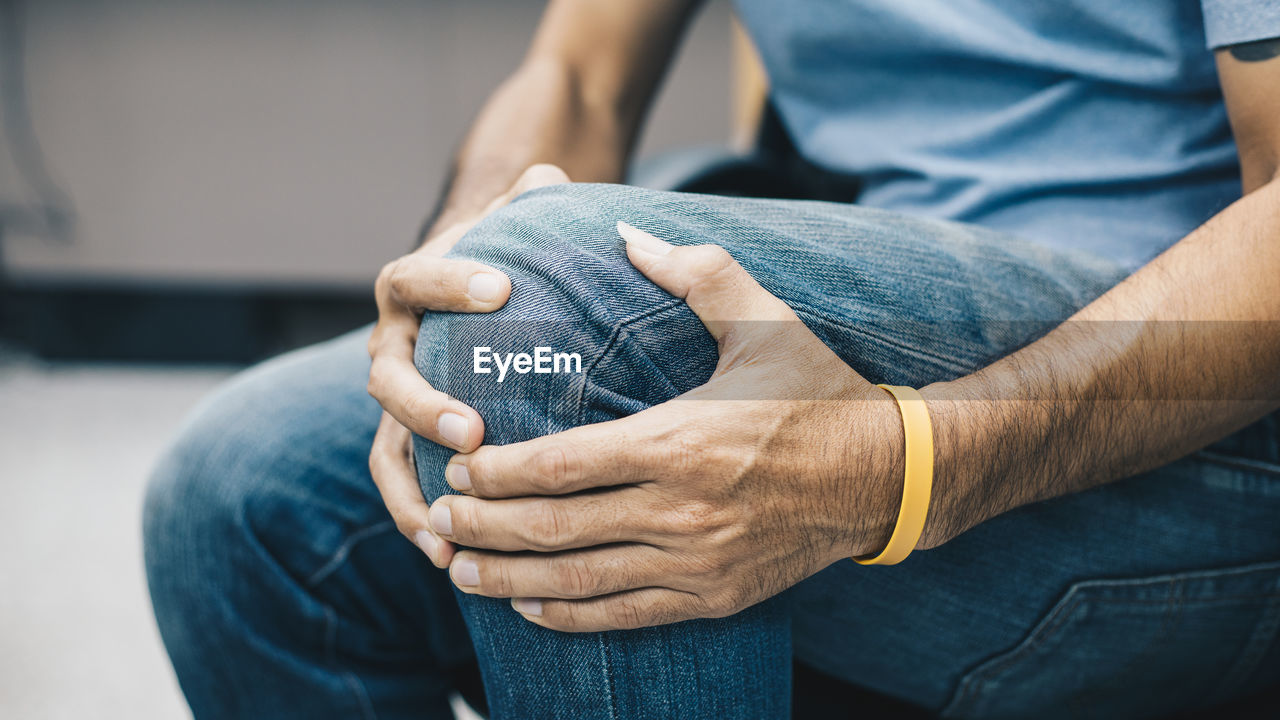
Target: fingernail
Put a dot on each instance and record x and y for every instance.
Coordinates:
(453, 428)
(426, 542)
(643, 240)
(457, 476)
(441, 519)
(527, 606)
(465, 572)
(484, 286)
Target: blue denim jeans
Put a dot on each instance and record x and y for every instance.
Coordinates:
(282, 588)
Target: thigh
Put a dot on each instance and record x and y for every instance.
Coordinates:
(1149, 596)
(280, 584)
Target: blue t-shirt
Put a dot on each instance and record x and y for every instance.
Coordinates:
(1092, 124)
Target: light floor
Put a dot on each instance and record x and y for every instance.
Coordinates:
(76, 443)
(76, 635)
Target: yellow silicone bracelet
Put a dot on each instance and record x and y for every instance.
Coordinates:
(918, 484)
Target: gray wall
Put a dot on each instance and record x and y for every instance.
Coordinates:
(278, 142)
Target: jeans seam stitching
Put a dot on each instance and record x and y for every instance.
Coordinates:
(1255, 649)
(341, 554)
(1036, 636)
(1239, 463)
(964, 695)
(331, 654)
(608, 675)
(615, 336)
(335, 561)
(1174, 603)
(884, 341)
(1195, 603)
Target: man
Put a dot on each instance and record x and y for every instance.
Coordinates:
(1051, 243)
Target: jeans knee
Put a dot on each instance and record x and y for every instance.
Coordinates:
(194, 516)
(624, 342)
(264, 480)
(575, 294)
(192, 521)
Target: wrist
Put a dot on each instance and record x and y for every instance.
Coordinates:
(971, 480)
(873, 471)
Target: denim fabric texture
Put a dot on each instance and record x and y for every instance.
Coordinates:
(283, 590)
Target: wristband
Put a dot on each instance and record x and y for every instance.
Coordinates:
(918, 484)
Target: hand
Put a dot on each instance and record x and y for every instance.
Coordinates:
(425, 281)
(783, 463)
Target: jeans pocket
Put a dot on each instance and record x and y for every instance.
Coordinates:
(1135, 648)
(1254, 448)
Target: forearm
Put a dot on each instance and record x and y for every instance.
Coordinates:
(1180, 354)
(577, 101)
(536, 116)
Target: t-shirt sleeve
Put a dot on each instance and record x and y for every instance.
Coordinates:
(1230, 22)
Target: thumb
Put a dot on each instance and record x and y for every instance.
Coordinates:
(718, 290)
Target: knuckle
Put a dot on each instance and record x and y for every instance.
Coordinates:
(627, 614)
(465, 523)
(419, 283)
(696, 518)
(710, 259)
(418, 410)
(554, 467)
(575, 578)
(382, 285)
(685, 453)
(377, 380)
(549, 527)
(478, 468)
(495, 578)
(562, 615)
(444, 285)
(722, 603)
(396, 278)
(712, 575)
(384, 275)
(540, 174)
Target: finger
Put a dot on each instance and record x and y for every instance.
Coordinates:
(547, 524)
(398, 386)
(533, 177)
(423, 281)
(391, 464)
(600, 455)
(627, 610)
(570, 575)
(718, 290)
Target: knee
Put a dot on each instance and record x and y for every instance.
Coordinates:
(193, 526)
(574, 293)
(258, 485)
(194, 520)
(273, 461)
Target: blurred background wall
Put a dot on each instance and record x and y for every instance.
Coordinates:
(250, 163)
